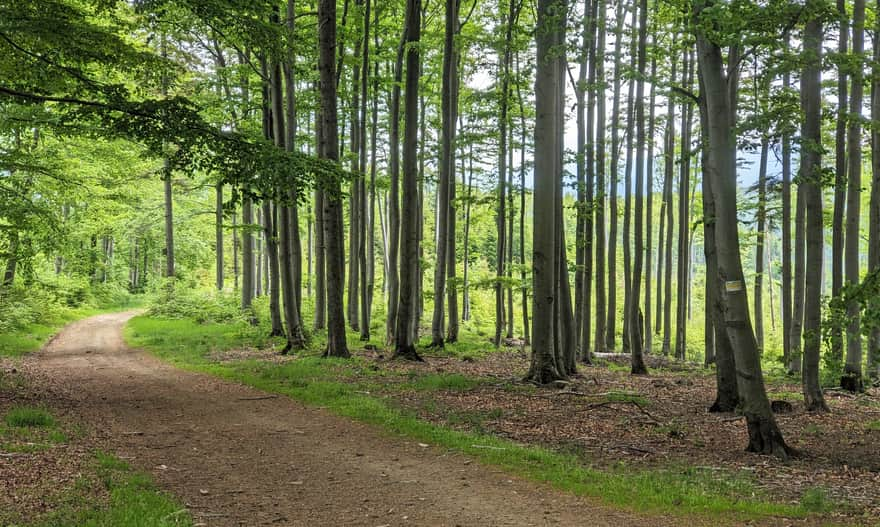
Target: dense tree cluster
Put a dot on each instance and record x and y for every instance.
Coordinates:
(583, 175)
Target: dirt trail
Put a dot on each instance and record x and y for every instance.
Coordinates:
(235, 457)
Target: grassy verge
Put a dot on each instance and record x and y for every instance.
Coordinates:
(102, 491)
(32, 337)
(356, 389)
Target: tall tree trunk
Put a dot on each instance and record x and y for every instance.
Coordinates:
(332, 201)
(354, 208)
(466, 299)
(248, 271)
(218, 235)
(599, 340)
(647, 333)
(446, 172)
(840, 179)
(668, 175)
(637, 361)
(363, 265)
(797, 323)
(719, 103)
(611, 324)
(786, 231)
(320, 319)
(522, 208)
(852, 371)
(374, 126)
(759, 245)
(684, 217)
(873, 367)
(627, 188)
(452, 325)
(392, 272)
(501, 214)
(811, 178)
(545, 365)
(409, 242)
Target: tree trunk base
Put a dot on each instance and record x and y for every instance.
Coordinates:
(407, 353)
(543, 376)
(815, 404)
(276, 333)
(852, 382)
(765, 438)
(638, 366)
(436, 342)
(365, 337)
(724, 404)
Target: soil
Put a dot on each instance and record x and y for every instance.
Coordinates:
(237, 456)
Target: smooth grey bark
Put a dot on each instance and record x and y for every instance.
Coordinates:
(637, 361)
(786, 232)
(544, 366)
(446, 175)
(409, 242)
(611, 319)
(668, 174)
(248, 270)
(218, 235)
(332, 200)
(235, 267)
(873, 365)
(522, 209)
(628, 187)
(392, 273)
(811, 180)
(761, 214)
(354, 207)
(684, 230)
(501, 211)
(647, 331)
(852, 370)
(797, 321)
(840, 179)
(452, 323)
(580, 90)
(320, 316)
(374, 125)
(362, 253)
(599, 340)
(169, 221)
(719, 107)
(465, 297)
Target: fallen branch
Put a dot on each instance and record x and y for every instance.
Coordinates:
(259, 398)
(488, 447)
(637, 405)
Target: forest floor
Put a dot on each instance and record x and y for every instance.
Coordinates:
(234, 455)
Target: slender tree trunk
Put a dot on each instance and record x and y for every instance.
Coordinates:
(332, 202)
(797, 322)
(637, 362)
(466, 300)
(600, 339)
(501, 214)
(873, 367)
(759, 245)
(840, 179)
(451, 288)
(365, 279)
(647, 333)
(409, 243)
(668, 175)
(218, 235)
(811, 171)
(684, 217)
(446, 172)
(393, 208)
(610, 330)
(247, 254)
(374, 125)
(522, 208)
(628, 189)
(852, 371)
(354, 208)
(786, 233)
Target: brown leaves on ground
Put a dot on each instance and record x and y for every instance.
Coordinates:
(608, 416)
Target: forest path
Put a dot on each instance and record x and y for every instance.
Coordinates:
(236, 457)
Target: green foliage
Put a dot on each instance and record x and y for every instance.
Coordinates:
(177, 301)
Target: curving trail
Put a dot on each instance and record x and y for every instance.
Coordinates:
(235, 459)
